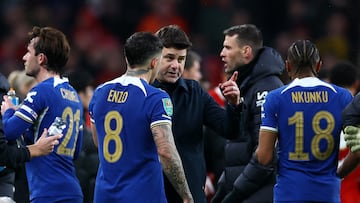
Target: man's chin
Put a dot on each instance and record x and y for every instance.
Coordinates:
(228, 70)
(171, 79)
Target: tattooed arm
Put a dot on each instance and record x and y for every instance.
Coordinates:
(171, 161)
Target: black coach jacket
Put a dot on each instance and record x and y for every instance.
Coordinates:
(261, 76)
(194, 108)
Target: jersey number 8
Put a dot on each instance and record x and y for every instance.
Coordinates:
(113, 135)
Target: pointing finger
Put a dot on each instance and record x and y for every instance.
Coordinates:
(234, 76)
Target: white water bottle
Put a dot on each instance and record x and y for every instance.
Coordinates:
(56, 127)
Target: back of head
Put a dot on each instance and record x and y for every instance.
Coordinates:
(247, 34)
(53, 44)
(140, 47)
(80, 80)
(343, 74)
(172, 36)
(191, 57)
(303, 56)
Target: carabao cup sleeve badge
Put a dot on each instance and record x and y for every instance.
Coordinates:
(168, 107)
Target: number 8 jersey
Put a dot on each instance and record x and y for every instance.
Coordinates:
(306, 114)
(123, 111)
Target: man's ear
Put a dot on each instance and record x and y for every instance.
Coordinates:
(42, 59)
(287, 66)
(318, 66)
(247, 50)
(153, 63)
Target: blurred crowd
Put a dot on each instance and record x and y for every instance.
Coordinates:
(97, 28)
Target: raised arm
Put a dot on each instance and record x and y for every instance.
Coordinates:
(170, 160)
(230, 90)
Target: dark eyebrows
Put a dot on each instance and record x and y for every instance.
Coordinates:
(170, 55)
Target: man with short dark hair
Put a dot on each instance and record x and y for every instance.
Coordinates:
(131, 125)
(259, 70)
(192, 69)
(193, 108)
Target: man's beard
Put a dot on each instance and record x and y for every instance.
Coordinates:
(32, 73)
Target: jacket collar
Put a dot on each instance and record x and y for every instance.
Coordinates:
(180, 84)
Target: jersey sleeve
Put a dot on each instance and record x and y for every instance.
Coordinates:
(269, 113)
(16, 123)
(162, 109)
(32, 105)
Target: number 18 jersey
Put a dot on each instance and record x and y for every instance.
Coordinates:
(306, 114)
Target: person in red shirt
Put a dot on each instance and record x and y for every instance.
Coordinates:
(345, 74)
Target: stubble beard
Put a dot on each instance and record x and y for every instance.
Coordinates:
(32, 73)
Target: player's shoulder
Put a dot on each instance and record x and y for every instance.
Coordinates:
(274, 96)
(111, 84)
(344, 93)
(136, 82)
(42, 88)
(156, 92)
(52, 83)
(340, 89)
(277, 91)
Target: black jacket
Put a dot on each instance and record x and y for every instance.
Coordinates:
(194, 108)
(10, 155)
(351, 114)
(255, 81)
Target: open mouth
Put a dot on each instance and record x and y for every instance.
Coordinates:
(171, 74)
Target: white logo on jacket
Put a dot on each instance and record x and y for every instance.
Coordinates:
(260, 98)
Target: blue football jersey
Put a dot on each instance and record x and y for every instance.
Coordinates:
(123, 111)
(306, 114)
(52, 175)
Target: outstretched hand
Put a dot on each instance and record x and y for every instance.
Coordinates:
(230, 90)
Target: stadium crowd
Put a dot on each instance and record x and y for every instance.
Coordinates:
(97, 31)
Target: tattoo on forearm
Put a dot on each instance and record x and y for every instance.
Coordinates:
(170, 159)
